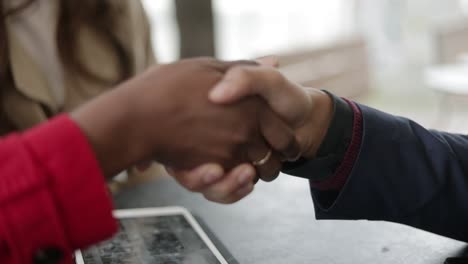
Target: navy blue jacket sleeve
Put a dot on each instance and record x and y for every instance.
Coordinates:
(406, 174)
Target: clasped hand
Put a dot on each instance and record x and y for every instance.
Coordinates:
(293, 121)
(209, 122)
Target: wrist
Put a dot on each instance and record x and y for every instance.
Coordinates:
(314, 130)
(107, 123)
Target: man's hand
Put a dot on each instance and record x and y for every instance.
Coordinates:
(165, 114)
(307, 110)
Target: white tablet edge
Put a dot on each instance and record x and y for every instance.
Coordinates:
(158, 211)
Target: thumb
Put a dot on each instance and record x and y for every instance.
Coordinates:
(271, 60)
(286, 98)
(244, 81)
(237, 83)
(240, 82)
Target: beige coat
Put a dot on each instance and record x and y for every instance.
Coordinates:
(31, 102)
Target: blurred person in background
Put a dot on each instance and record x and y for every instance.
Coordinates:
(57, 54)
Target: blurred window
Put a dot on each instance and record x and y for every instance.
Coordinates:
(247, 28)
(165, 33)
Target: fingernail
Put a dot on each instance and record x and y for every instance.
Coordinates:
(211, 176)
(245, 176)
(220, 92)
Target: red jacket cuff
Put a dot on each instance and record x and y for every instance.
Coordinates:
(76, 181)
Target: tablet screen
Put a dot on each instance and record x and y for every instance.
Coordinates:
(167, 239)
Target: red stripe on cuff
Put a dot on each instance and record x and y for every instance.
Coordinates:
(337, 181)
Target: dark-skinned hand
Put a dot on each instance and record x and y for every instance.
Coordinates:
(308, 111)
(165, 115)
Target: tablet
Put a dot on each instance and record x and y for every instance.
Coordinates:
(168, 235)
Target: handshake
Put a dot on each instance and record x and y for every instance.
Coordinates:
(217, 126)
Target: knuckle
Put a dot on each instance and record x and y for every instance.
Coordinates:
(271, 173)
(277, 77)
(243, 134)
(230, 200)
(221, 191)
(286, 143)
(236, 197)
(241, 73)
(271, 176)
(209, 197)
(212, 198)
(281, 143)
(226, 157)
(246, 128)
(192, 186)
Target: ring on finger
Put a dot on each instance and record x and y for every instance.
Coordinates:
(264, 160)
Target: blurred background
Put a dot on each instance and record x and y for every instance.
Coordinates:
(406, 57)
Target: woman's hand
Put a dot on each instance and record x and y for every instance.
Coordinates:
(216, 185)
(165, 114)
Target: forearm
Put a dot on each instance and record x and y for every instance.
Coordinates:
(48, 175)
(109, 123)
(331, 154)
(400, 172)
(407, 174)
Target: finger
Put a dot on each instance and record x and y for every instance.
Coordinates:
(238, 178)
(200, 178)
(279, 135)
(280, 94)
(238, 82)
(230, 64)
(270, 170)
(236, 196)
(272, 61)
(144, 165)
(171, 171)
(259, 152)
(224, 66)
(256, 179)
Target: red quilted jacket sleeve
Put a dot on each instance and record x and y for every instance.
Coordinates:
(53, 196)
